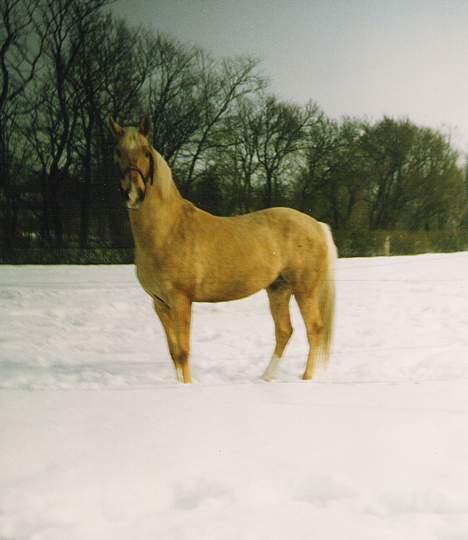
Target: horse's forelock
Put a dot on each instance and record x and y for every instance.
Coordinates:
(131, 140)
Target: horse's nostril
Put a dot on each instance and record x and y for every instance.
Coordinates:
(123, 193)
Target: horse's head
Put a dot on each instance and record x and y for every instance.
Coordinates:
(135, 159)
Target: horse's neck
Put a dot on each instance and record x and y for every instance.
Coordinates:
(155, 221)
(162, 179)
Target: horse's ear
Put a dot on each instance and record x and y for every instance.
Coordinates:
(145, 125)
(114, 128)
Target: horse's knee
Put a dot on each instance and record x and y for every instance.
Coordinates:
(317, 326)
(284, 333)
(182, 354)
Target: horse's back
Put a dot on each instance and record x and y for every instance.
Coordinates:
(296, 232)
(280, 222)
(290, 243)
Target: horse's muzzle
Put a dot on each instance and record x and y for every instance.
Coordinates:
(135, 194)
(132, 197)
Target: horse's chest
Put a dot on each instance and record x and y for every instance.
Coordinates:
(148, 275)
(159, 280)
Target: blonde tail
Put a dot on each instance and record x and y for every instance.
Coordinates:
(327, 297)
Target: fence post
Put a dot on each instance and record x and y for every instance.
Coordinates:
(387, 245)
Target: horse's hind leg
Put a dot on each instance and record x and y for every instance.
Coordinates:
(279, 297)
(309, 308)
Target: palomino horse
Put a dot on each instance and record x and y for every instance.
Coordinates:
(185, 255)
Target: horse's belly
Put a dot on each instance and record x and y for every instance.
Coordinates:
(222, 288)
(226, 295)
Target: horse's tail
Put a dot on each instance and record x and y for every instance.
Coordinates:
(327, 297)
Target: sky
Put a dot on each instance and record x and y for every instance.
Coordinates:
(360, 58)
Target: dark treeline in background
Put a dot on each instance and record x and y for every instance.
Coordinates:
(385, 187)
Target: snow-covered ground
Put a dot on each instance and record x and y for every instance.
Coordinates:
(98, 441)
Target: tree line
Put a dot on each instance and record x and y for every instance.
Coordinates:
(232, 144)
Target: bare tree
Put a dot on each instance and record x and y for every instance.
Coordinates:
(241, 165)
(107, 49)
(20, 50)
(173, 102)
(279, 133)
(62, 27)
(236, 78)
(333, 181)
(213, 97)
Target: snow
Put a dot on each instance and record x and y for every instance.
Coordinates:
(98, 441)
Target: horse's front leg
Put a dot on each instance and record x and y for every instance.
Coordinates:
(175, 316)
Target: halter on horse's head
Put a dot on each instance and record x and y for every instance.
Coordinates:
(135, 159)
